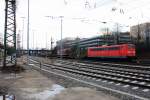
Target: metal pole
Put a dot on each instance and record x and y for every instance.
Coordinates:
(61, 45)
(33, 39)
(51, 43)
(28, 32)
(22, 30)
(46, 40)
(46, 44)
(107, 37)
(61, 26)
(117, 36)
(14, 5)
(46, 37)
(22, 34)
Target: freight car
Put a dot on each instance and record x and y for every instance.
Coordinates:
(113, 51)
(78, 48)
(64, 52)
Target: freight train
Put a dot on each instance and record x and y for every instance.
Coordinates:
(113, 51)
(97, 47)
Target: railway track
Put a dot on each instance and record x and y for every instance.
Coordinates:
(119, 68)
(129, 80)
(113, 64)
(130, 66)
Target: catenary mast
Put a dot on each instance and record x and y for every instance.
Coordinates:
(10, 32)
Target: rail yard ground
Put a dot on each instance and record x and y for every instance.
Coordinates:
(129, 82)
(31, 84)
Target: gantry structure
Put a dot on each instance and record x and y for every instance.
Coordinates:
(10, 32)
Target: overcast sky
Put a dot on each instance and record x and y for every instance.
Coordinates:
(82, 18)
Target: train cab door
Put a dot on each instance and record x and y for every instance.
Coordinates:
(120, 51)
(123, 50)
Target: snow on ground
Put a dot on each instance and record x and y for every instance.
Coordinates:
(47, 94)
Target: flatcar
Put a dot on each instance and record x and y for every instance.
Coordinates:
(113, 51)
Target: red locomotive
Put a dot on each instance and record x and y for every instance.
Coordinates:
(113, 51)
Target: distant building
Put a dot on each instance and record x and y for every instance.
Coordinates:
(65, 42)
(124, 37)
(141, 37)
(65, 45)
(141, 32)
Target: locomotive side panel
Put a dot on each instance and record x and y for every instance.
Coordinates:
(114, 51)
